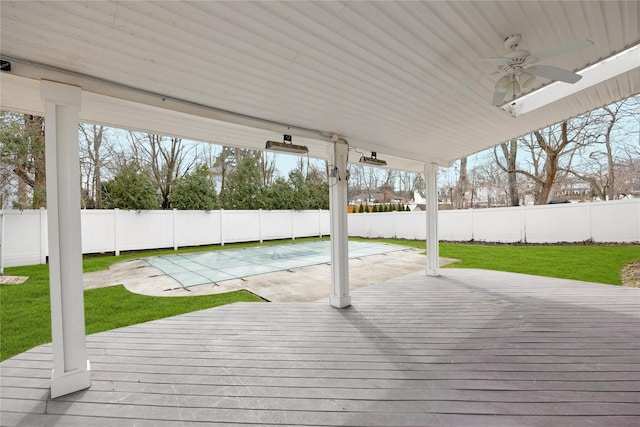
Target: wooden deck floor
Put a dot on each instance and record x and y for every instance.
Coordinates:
(470, 348)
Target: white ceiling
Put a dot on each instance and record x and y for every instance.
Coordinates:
(390, 77)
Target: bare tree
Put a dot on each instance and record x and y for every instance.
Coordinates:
(628, 173)
(356, 180)
(372, 177)
(230, 157)
(167, 159)
(493, 181)
(614, 127)
(22, 147)
(225, 163)
(552, 151)
(96, 155)
(406, 182)
(388, 184)
(510, 165)
(459, 191)
(267, 165)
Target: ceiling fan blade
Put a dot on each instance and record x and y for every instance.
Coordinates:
(498, 98)
(554, 73)
(468, 83)
(559, 50)
(498, 60)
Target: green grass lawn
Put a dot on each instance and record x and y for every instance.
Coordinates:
(25, 315)
(591, 263)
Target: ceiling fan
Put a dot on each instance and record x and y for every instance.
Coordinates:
(519, 67)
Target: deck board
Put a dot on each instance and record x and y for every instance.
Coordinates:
(471, 347)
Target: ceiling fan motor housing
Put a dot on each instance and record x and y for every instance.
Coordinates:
(518, 56)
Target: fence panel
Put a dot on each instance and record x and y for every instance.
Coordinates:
(144, 230)
(355, 224)
(276, 225)
(411, 225)
(23, 237)
(98, 231)
(306, 223)
(557, 223)
(325, 223)
(616, 221)
(456, 226)
(497, 225)
(240, 226)
(195, 228)
(379, 224)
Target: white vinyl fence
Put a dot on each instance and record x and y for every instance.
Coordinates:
(23, 234)
(603, 222)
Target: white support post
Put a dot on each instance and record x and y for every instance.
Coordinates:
(431, 181)
(70, 364)
(260, 225)
(293, 225)
(320, 223)
(339, 298)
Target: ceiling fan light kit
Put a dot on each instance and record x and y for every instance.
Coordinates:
(526, 79)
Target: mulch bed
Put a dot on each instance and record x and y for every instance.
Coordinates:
(631, 275)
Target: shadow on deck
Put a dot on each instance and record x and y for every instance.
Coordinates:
(469, 348)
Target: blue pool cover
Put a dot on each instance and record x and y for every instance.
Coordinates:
(210, 267)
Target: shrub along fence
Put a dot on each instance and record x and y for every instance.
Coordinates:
(23, 234)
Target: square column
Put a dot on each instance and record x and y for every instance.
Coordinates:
(339, 298)
(61, 115)
(431, 181)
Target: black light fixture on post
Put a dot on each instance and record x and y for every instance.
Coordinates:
(373, 160)
(287, 146)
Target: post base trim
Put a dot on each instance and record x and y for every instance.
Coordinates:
(433, 272)
(70, 383)
(340, 302)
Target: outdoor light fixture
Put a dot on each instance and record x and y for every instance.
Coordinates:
(373, 160)
(609, 68)
(287, 146)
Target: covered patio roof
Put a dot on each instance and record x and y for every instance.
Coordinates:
(398, 78)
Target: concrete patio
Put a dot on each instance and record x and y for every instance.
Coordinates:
(470, 347)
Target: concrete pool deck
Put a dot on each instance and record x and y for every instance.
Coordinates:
(301, 284)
